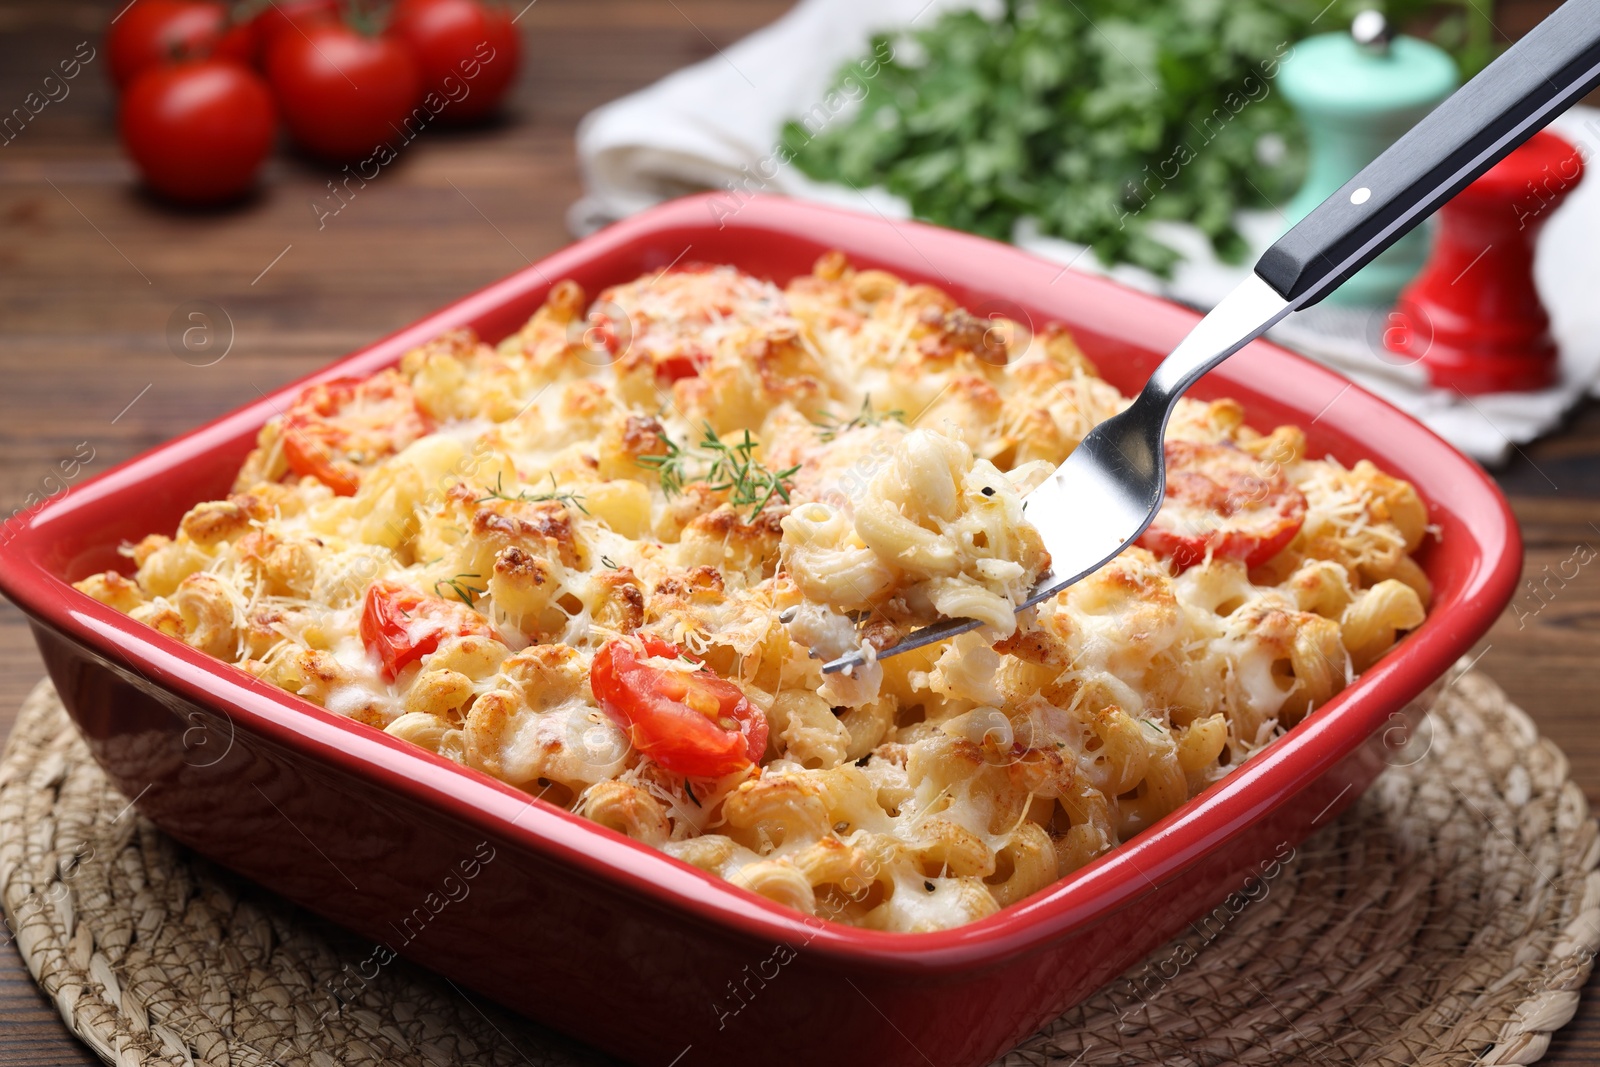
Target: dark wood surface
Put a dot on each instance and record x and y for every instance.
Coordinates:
(91, 271)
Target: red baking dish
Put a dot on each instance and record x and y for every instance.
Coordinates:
(609, 940)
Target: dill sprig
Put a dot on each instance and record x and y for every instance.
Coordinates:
(832, 428)
(462, 589)
(731, 467)
(556, 493)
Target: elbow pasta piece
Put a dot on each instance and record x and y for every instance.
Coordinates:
(487, 726)
(1374, 621)
(525, 587)
(1199, 745)
(159, 615)
(475, 657)
(943, 846)
(163, 566)
(1319, 662)
(851, 801)
(311, 673)
(709, 852)
(767, 477)
(1323, 587)
(1024, 865)
(214, 522)
(780, 881)
(829, 562)
(1122, 757)
(775, 811)
(629, 810)
(867, 726)
(438, 692)
(1161, 791)
(208, 615)
(811, 735)
(113, 590)
(420, 728)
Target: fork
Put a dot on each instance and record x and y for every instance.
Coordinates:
(1107, 492)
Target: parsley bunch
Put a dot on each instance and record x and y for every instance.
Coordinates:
(1094, 117)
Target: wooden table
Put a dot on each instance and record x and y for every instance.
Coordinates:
(91, 271)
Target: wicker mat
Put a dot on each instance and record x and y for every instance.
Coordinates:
(1450, 917)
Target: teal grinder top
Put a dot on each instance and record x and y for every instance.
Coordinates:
(1356, 93)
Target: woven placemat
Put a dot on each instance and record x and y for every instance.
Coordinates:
(1450, 917)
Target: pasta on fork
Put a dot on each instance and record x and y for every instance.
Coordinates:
(604, 560)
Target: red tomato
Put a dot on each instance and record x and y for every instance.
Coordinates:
(240, 43)
(1222, 498)
(678, 365)
(292, 15)
(402, 625)
(154, 32)
(468, 52)
(691, 723)
(338, 423)
(342, 94)
(198, 131)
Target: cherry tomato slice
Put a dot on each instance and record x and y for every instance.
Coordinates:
(402, 625)
(679, 365)
(692, 723)
(1222, 498)
(342, 422)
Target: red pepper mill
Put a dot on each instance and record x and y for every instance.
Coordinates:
(1473, 316)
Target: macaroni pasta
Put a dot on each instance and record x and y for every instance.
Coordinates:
(604, 560)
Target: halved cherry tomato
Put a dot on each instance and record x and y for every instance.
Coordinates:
(692, 723)
(339, 423)
(402, 625)
(1222, 498)
(677, 365)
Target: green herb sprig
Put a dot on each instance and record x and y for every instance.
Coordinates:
(556, 493)
(831, 428)
(462, 589)
(721, 466)
(671, 466)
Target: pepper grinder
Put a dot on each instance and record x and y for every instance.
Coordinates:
(1473, 316)
(1356, 93)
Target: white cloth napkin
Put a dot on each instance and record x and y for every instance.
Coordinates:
(717, 125)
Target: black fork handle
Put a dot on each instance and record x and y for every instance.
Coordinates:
(1513, 98)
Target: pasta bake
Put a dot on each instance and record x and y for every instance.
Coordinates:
(604, 559)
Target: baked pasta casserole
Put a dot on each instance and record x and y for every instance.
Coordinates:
(605, 559)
